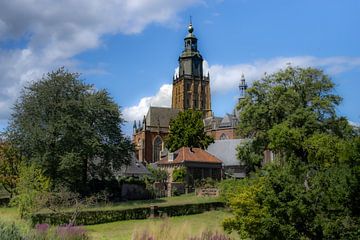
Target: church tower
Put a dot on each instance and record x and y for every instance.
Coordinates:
(191, 89)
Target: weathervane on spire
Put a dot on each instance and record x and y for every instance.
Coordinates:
(190, 28)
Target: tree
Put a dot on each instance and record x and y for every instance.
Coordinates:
(309, 190)
(69, 129)
(187, 130)
(9, 167)
(31, 187)
(283, 109)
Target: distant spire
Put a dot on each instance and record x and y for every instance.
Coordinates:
(242, 87)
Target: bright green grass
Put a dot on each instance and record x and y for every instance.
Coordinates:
(11, 215)
(172, 228)
(183, 199)
(182, 225)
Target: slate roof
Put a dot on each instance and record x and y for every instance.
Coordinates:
(160, 115)
(187, 154)
(225, 150)
(135, 168)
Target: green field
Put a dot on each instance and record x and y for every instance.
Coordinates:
(174, 228)
(177, 227)
(177, 200)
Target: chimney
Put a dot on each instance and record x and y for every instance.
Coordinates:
(171, 156)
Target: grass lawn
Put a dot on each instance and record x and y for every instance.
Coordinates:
(181, 226)
(174, 228)
(177, 200)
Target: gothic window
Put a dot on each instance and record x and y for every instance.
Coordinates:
(223, 137)
(157, 147)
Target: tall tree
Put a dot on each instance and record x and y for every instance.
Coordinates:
(289, 106)
(9, 167)
(69, 129)
(309, 190)
(187, 130)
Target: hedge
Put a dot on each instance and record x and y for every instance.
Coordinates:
(91, 217)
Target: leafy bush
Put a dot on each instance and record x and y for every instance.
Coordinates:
(229, 187)
(31, 186)
(103, 216)
(9, 232)
(206, 183)
(179, 174)
(157, 174)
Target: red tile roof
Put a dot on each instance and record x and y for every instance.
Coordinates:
(187, 154)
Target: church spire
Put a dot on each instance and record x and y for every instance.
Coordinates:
(242, 87)
(191, 89)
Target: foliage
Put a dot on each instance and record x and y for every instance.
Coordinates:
(89, 217)
(9, 232)
(206, 183)
(9, 167)
(179, 174)
(157, 174)
(187, 130)
(228, 188)
(69, 129)
(61, 200)
(31, 187)
(309, 190)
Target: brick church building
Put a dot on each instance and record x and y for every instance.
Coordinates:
(191, 90)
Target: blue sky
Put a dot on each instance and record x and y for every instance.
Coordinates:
(131, 47)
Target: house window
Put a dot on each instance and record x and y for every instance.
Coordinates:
(157, 147)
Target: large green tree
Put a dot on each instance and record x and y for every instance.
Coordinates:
(70, 129)
(187, 130)
(311, 189)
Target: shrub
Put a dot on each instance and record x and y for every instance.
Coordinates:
(206, 183)
(31, 187)
(103, 216)
(229, 187)
(9, 232)
(179, 174)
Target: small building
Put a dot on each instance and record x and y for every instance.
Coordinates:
(198, 163)
(134, 169)
(226, 151)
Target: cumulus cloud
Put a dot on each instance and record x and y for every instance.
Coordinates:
(47, 33)
(161, 99)
(224, 78)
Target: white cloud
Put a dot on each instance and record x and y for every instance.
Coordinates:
(224, 78)
(355, 124)
(50, 33)
(161, 99)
